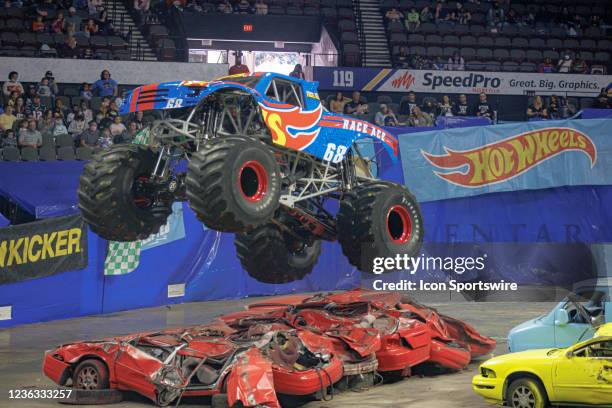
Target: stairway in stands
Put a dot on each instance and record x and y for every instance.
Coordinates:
(123, 22)
(373, 39)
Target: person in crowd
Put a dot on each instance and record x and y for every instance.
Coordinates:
(51, 82)
(20, 108)
(602, 102)
(445, 108)
(91, 27)
(12, 85)
(355, 106)
(239, 67)
(566, 109)
(12, 99)
(439, 64)
(9, 139)
(394, 15)
(31, 137)
(73, 18)
(225, 7)
(94, 6)
(43, 89)
(495, 16)
(412, 20)
(407, 105)
(22, 127)
(139, 119)
(70, 49)
(385, 116)
(565, 64)
(59, 128)
(43, 8)
(86, 91)
(88, 53)
(336, 105)
(38, 25)
(86, 111)
(261, 8)
(104, 23)
(46, 124)
(580, 66)
(35, 108)
(128, 135)
(61, 108)
(89, 137)
(512, 17)
(59, 23)
(402, 60)
(29, 97)
(141, 7)
(105, 86)
(546, 67)
(298, 72)
(419, 62)
(117, 127)
(537, 110)
(419, 118)
(463, 16)
(243, 7)
(456, 63)
(426, 16)
(102, 117)
(452, 17)
(7, 119)
(483, 107)
(77, 125)
(105, 140)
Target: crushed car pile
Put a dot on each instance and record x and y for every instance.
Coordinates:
(289, 346)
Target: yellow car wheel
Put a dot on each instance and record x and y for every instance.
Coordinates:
(526, 393)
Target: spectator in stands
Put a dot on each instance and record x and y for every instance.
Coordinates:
(495, 16)
(61, 108)
(38, 25)
(141, 7)
(407, 105)
(243, 7)
(463, 16)
(59, 128)
(12, 99)
(419, 62)
(117, 127)
(483, 108)
(88, 53)
(139, 120)
(94, 6)
(456, 62)
(426, 16)
(537, 110)
(355, 106)
(9, 139)
(73, 18)
(85, 91)
(580, 66)
(553, 108)
(445, 108)
(225, 7)
(385, 116)
(261, 8)
(546, 67)
(91, 27)
(439, 13)
(105, 86)
(43, 89)
(402, 60)
(297, 72)
(30, 137)
(7, 119)
(394, 15)
(46, 124)
(20, 110)
(77, 125)
(12, 85)
(35, 108)
(239, 67)
(70, 49)
(420, 119)
(89, 137)
(105, 140)
(87, 113)
(22, 127)
(59, 23)
(430, 106)
(128, 135)
(602, 102)
(566, 109)
(52, 84)
(412, 20)
(565, 64)
(45, 7)
(512, 18)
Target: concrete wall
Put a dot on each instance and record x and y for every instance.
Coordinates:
(124, 72)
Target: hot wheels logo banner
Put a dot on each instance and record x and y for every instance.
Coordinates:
(472, 161)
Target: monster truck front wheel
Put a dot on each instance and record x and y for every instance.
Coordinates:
(233, 183)
(115, 196)
(379, 219)
(270, 256)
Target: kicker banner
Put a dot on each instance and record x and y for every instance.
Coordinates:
(527, 156)
(432, 81)
(42, 248)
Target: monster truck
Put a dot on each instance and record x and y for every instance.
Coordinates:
(265, 160)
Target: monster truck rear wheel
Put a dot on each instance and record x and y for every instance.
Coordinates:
(270, 256)
(115, 197)
(233, 183)
(379, 219)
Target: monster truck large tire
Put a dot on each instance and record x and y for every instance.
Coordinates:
(112, 198)
(270, 256)
(233, 183)
(379, 219)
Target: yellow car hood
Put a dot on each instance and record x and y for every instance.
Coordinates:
(539, 354)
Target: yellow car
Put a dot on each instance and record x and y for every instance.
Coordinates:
(577, 375)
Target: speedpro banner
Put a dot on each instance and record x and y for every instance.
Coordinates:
(433, 81)
(463, 162)
(42, 248)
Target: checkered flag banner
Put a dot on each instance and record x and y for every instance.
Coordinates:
(124, 257)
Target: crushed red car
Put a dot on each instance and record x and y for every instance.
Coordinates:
(295, 345)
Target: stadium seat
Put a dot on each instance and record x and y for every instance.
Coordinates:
(553, 55)
(484, 54)
(63, 140)
(451, 41)
(10, 154)
(534, 55)
(468, 53)
(520, 42)
(469, 41)
(517, 55)
(537, 43)
(65, 153)
(47, 153)
(503, 42)
(84, 153)
(384, 99)
(48, 140)
(510, 66)
(433, 39)
(29, 154)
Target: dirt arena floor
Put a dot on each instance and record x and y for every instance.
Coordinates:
(21, 351)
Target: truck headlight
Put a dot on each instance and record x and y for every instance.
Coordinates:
(487, 372)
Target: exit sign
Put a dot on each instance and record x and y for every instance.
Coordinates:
(247, 28)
